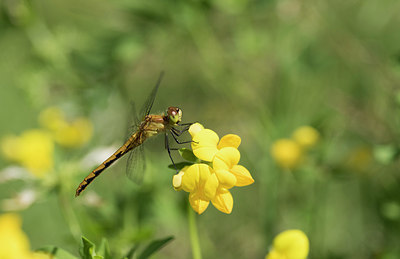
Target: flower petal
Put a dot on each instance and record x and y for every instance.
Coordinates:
(204, 144)
(198, 202)
(190, 178)
(204, 173)
(223, 201)
(177, 180)
(292, 243)
(195, 176)
(226, 158)
(225, 178)
(275, 255)
(243, 176)
(210, 188)
(195, 128)
(230, 140)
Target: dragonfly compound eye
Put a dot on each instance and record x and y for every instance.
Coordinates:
(174, 114)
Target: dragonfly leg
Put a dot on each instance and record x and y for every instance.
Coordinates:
(176, 140)
(179, 132)
(169, 151)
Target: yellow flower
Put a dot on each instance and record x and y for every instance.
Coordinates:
(206, 142)
(14, 244)
(34, 150)
(306, 136)
(74, 134)
(68, 134)
(290, 244)
(287, 153)
(229, 173)
(222, 153)
(206, 183)
(201, 183)
(52, 118)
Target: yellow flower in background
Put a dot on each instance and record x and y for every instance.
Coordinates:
(52, 118)
(13, 241)
(14, 244)
(34, 150)
(290, 244)
(287, 153)
(68, 134)
(306, 136)
(74, 134)
(206, 183)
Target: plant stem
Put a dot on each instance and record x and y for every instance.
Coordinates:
(69, 215)
(194, 236)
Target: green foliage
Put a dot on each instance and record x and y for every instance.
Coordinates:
(87, 250)
(259, 69)
(188, 155)
(56, 252)
(153, 247)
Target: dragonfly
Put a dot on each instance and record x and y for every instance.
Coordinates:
(151, 125)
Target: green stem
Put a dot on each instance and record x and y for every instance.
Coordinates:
(69, 215)
(194, 236)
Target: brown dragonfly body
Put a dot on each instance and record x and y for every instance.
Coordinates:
(150, 126)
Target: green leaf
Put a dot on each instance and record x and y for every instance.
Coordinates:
(188, 155)
(57, 253)
(180, 165)
(104, 249)
(86, 249)
(154, 247)
(131, 252)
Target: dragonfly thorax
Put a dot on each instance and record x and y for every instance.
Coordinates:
(174, 115)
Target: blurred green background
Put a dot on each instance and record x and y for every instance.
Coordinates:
(259, 69)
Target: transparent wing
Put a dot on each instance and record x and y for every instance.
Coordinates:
(136, 164)
(146, 108)
(134, 120)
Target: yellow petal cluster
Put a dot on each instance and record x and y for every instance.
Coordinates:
(73, 133)
(290, 244)
(289, 153)
(306, 136)
(13, 241)
(34, 150)
(211, 181)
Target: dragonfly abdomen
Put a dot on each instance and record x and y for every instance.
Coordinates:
(134, 141)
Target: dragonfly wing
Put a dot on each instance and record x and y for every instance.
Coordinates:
(136, 164)
(150, 100)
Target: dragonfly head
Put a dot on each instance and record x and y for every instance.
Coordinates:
(174, 115)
